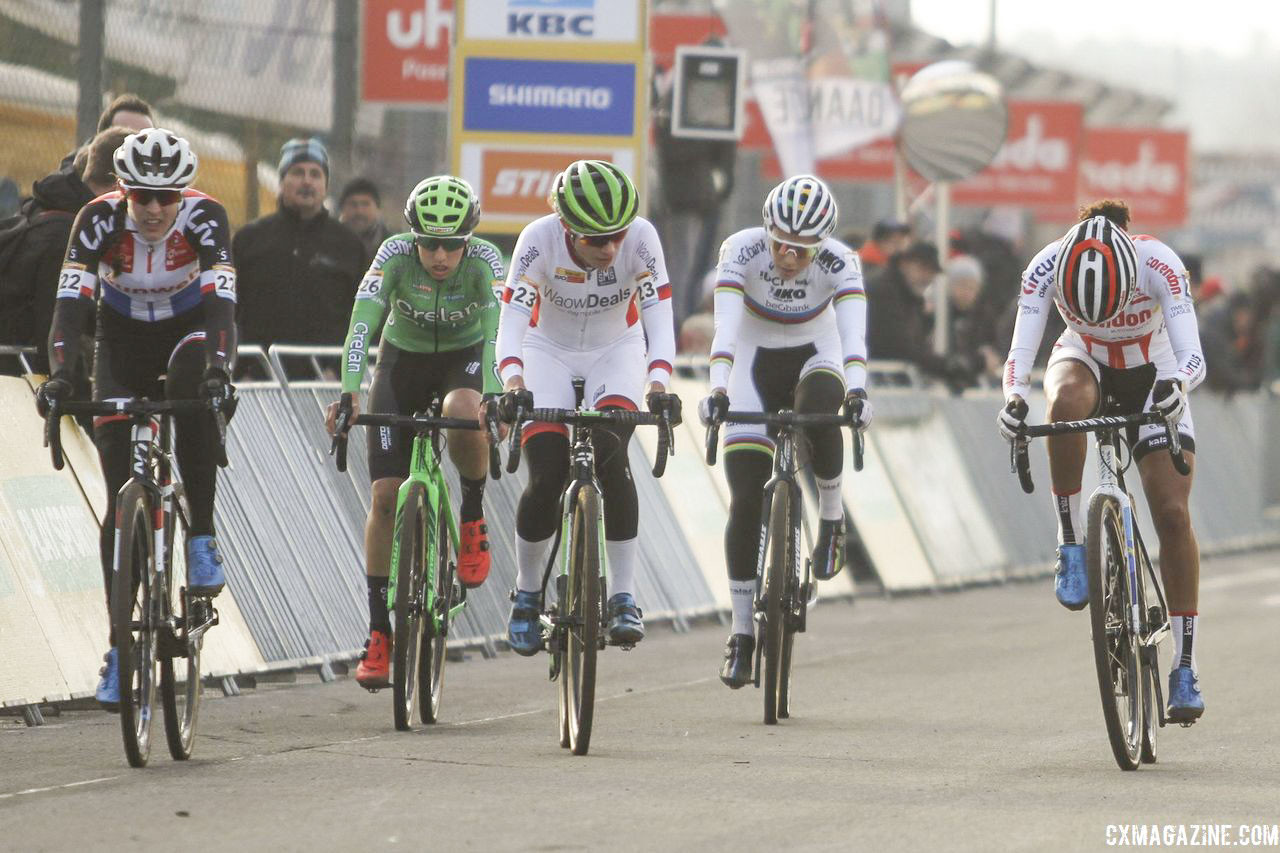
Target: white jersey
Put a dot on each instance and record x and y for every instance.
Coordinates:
(1157, 326)
(754, 303)
(551, 296)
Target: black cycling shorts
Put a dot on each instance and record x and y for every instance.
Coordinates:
(1129, 392)
(404, 383)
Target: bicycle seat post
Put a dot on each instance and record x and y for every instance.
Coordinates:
(579, 392)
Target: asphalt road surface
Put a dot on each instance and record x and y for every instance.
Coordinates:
(958, 721)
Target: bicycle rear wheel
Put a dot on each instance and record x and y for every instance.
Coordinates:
(412, 525)
(180, 672)
(579, 610)
(435, 631)
(779, 566)
(1154, 617)
(134, 613)
(1115, 647)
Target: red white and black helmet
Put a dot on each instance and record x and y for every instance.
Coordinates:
(803, 206)
(1096, 270)
(155, 159)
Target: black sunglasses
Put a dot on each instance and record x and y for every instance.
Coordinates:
(142, 197)
(601, 240)
(449, 244)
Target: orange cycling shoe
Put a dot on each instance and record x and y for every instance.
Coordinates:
(373, 672)
(473, 559)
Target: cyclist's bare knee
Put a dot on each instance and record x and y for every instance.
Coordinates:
(462, 403)
(383, 494)
(1072, 391)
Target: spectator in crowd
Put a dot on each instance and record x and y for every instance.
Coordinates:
(128, 111)
(1207, 292)
(360, 209)
(1230, 335)
(298, 268)
(972, 330)
(888, 237)
(31, 262)
(898, 322)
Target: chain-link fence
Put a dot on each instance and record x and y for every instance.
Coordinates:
(236, 77)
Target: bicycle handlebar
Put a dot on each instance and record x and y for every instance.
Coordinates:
(1020, 461)
(786, 419)
(594, 418)
(416, 422)
(134, 407)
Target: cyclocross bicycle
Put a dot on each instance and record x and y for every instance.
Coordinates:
(573, 627)
(424, 553)
(1127, 607)
(154, 619)
(783, 588)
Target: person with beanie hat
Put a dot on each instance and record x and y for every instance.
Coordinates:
(298, 267)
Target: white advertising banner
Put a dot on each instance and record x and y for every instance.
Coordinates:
(554, 20)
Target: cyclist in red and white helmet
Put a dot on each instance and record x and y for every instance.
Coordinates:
(1131, 334)
(790, 319)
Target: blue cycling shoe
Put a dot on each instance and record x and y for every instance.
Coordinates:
(108, 692)
(625, 627)
(204, 566)
(524, 630)
(1185, 702)
(1070, 581)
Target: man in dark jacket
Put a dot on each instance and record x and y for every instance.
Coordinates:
(297, 268)
(29, 278)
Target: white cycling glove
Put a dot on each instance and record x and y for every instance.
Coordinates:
(1012, 418)
(1168, 398)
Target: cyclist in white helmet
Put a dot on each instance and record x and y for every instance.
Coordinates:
(156, 256)
(1131, 334)
(790, 318)
(587, 297)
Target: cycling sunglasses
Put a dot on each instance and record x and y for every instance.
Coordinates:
(449, 244)
(803, 251)
(601, 240)
(143, 197)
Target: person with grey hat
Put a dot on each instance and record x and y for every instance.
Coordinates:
(299, 267)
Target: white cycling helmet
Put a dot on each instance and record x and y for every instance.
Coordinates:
(155, 158)
(1096, 270)
(803, 206)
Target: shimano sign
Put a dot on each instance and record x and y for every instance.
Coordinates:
(553, 20)
(548, 96)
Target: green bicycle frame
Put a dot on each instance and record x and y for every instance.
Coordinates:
(425, 468)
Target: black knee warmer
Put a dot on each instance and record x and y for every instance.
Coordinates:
(747, 471)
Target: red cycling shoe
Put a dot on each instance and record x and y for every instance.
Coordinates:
(473, 557)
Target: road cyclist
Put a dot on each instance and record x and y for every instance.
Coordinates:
(435, 287)
(790, 329)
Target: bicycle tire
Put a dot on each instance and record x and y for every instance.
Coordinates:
(408, 608)
(775, 575)
(580, 608)
(1115, 649)
(1150, 659)
(181, 699)
(132, 615)
(435, 630)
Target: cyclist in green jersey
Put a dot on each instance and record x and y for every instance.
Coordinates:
(435, 287)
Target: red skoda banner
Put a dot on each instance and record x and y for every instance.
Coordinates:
(406, 51)
(1146, 167)
(1038, 166)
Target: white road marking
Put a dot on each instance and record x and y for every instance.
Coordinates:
(57, 787)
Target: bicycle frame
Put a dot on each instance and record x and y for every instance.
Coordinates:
(425, 468)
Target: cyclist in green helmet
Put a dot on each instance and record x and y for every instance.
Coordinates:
(587, 297)
(436, 287)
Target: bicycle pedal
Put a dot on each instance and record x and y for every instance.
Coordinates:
(626, 647)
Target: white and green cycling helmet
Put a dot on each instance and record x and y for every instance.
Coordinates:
(442, 206)
(594, 197)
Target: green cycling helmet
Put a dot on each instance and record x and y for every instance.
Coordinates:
(442, 206)
(594, 197)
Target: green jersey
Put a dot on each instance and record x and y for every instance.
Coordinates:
(426, 315)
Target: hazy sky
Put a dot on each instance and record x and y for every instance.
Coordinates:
(1217, 61)
(1228, 26)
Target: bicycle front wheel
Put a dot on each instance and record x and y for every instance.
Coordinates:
(435, 631)
(1115, 645)
(779, 566)
(412, 525)
(180, 669)
(579, 610)
(134, 620)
